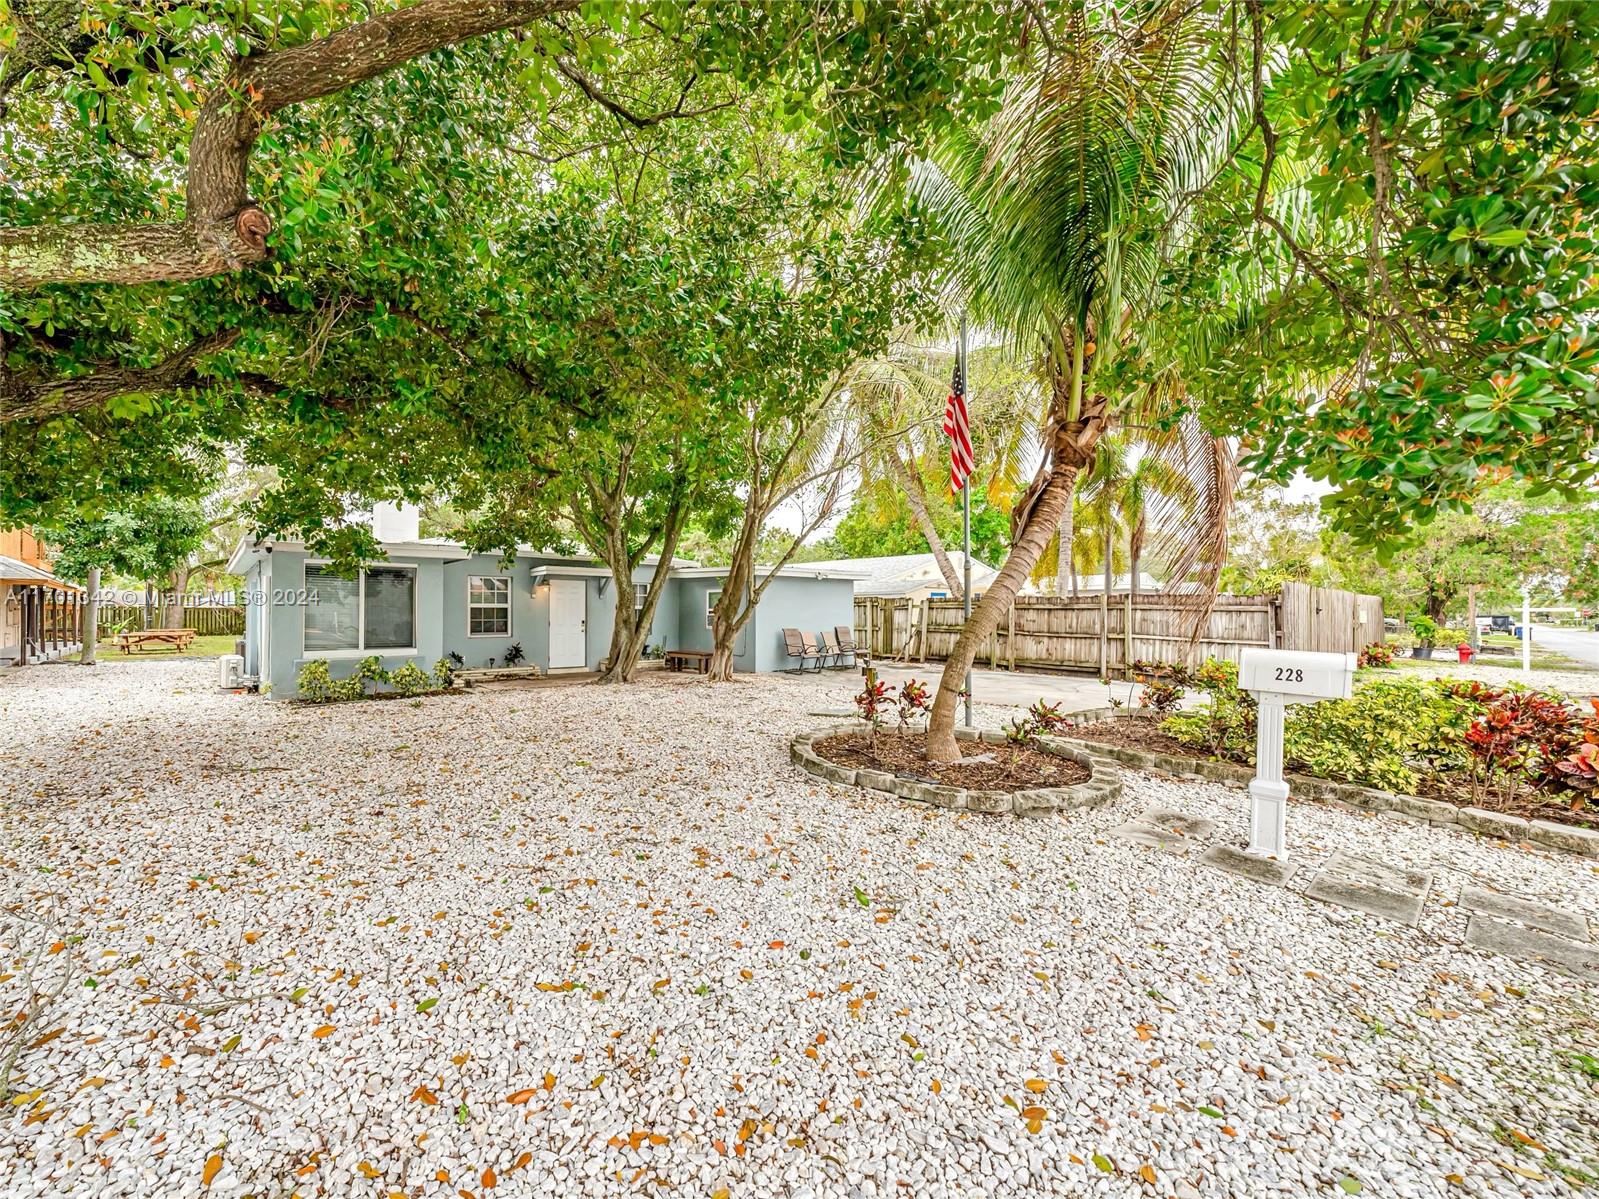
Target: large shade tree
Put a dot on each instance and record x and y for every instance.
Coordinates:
(230, 224)
(1390, 287)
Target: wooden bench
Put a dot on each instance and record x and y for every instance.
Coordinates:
(135, 640)
(700, 659)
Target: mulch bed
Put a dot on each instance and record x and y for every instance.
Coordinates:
(1526, 802)
(1009, 768)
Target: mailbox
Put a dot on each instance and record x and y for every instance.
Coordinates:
(1277, 678)
(1297, 674)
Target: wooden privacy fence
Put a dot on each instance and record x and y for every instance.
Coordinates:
(1329, 620)
(207, 620)
(1106, 634)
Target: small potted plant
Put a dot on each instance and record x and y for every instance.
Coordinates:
(1426, 630)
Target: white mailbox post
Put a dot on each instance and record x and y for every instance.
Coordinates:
(1277, 678)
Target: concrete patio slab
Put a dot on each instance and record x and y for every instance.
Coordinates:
(1371, 887)
(1233, 860)
(1166, 829)
(1532, 945)
(1524, 911)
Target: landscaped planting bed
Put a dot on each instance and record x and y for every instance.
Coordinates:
(998, 767)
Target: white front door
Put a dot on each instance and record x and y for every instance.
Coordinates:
(568, 613)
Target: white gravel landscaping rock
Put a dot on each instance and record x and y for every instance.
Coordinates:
(608, 941)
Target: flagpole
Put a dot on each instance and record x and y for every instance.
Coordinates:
(966, 526)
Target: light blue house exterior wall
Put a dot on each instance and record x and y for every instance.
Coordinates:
(797, 601)
(274, 622)
(810, 605)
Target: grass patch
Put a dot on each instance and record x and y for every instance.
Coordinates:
(200, 647)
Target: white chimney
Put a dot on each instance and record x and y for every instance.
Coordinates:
(395, 522)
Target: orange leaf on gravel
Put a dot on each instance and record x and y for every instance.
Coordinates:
(423, 1095)
(521, 1096)
(1036, 1085)
(324, 1031)
(213, 1167)
(1147, 1173)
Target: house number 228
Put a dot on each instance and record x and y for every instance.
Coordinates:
(1290, 674)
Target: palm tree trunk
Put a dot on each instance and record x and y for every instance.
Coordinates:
(997, 599)
(1135, 551)
(1065, 567)
(1075, 437)
(917, 499)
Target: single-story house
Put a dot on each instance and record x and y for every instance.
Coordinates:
(41, 616)
(1095, 584)
(906, 576)
(430, 597)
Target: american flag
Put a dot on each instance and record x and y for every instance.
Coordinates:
(958, 427)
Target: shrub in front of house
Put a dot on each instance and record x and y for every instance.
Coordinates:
(317, 685)
(410, 679)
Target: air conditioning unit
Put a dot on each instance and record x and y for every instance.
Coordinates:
(230, 671)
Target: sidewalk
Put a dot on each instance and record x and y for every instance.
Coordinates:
(1020, 689)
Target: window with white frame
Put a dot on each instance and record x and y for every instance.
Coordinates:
(375, 610)
(711, 598)
(641, 592)
(488, 606)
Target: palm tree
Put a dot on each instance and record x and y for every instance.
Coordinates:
(1052, 210)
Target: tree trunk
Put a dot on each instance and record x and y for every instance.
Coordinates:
(917, 499)
(630, 629)
(1065, 566)
(172, 599)
(997, 599)
(91, 619)
(1135, 552)
(733, 606)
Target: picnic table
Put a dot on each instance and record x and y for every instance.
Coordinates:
(700, 659)
(134, 640)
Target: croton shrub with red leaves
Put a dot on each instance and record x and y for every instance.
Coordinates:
(1532, 737)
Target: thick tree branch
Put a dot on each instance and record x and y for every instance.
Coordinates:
(24, 398)
(224, 230)
(619, 110)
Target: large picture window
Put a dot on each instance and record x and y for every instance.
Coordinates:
(376, 610)
(488, 606)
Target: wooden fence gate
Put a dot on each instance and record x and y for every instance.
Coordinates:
(1106, 634)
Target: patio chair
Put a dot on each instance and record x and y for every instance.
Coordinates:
(797, 647)
(832, 649)
(846, 641)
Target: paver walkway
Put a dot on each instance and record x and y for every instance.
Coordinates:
(1519, 928)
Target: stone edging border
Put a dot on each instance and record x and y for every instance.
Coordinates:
(1544, 833)
(1104, 782)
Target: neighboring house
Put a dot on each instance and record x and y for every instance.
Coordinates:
(41, 616)
(1089, 585)
(430, 597)
(906, 576)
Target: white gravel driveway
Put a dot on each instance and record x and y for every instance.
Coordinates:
(588, 941)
